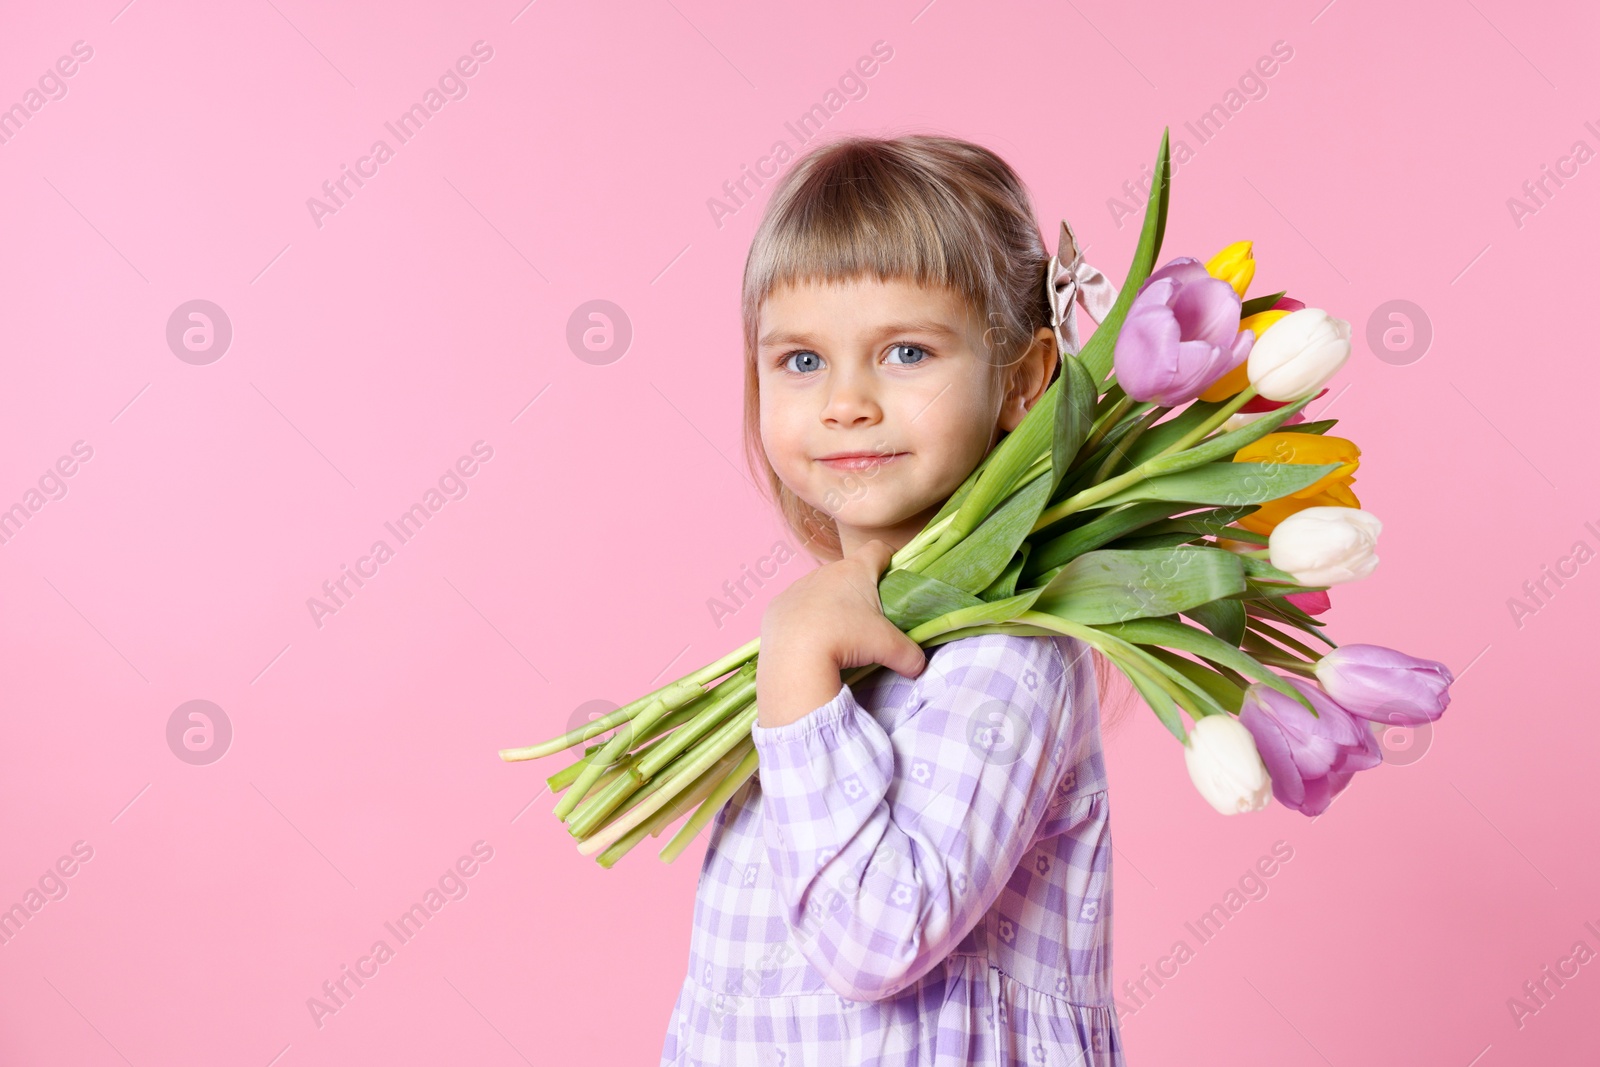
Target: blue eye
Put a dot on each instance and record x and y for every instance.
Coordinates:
(913, 348)
(815, 359)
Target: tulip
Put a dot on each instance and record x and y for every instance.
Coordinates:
(1310, 603)
(1310, 758)
(1332, 489)
(1267, 517)
(1225, 766)
(1180, 335)
(1382, 685)
(1234, 265)
(1263, 405)
(1325, 545)
(1306, 348)
(1239, 377)
(1306, 448)
(1236, 379)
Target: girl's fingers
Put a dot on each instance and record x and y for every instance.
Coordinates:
(899, 653)
(891, 647)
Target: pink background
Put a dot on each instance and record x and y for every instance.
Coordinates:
(431, 311)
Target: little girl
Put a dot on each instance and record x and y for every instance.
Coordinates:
(920, 872)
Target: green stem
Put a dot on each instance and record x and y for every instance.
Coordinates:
(709, 673)
(674, 698)
(703, 787)
(1282, 638)
(1096, 493)
(1120, 451)
(1218, 417)
(1103, 426)
(695, 764)
(708, 809)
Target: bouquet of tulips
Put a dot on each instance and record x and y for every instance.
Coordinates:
(1152, 504)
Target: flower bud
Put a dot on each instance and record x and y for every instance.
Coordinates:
(1298, 354)
(1235, 265)
(1382, 685)
(1225, 766)
(1325, 545)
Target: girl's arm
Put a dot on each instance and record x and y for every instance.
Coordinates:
(887, 849)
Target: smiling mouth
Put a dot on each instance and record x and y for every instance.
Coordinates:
(859, 461)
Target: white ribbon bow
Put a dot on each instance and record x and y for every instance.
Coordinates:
(1069, 280)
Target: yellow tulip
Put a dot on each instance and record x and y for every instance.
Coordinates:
(1234, 265)
(1332, 489)
(1265, 518)
(1239, 377)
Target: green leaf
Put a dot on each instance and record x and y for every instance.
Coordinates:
(1224, 617)
(1257, 304)
(978, 613)
(1226, 444)
(1006, 585)
(980, 557)
(1225, 693)
(1158, 698)
(1074, 416)
(1144, 540)
(1319, 426)
(1277, 608)
(1055, 550)
(1114, 585)
(1214, 523)
(1119, 455)
(1226, 483)
(1178, 635)
(1158, 437)
(1254, 590)
(1260, 568)
(1082, 472)
(1097, 353)
(1193, 698)
(910, 599)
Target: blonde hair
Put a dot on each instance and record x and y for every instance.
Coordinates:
(932, 210)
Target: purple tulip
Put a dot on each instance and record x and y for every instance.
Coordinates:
(1386, 686)
(1310, 758)
(1181, 334)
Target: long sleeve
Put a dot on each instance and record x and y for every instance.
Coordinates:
(888, 846)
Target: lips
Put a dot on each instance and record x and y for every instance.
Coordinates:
(855, 461)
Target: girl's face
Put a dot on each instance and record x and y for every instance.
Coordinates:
(893, 374)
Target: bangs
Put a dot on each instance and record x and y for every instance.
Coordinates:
(861, 217)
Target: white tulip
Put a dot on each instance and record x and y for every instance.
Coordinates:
(1326, 545)
(1225, 766)
(1298, 354)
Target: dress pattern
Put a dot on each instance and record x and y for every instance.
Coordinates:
(918, 875)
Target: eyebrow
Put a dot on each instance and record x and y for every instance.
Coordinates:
(930, 326)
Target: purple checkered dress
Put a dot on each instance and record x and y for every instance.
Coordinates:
(918, 874)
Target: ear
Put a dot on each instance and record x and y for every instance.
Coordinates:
(1029, 378)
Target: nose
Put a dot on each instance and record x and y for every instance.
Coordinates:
(852, 400)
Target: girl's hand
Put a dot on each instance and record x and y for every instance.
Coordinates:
(827, 621)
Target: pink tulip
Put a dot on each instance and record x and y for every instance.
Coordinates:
(1386, 686)
(1181, 334)
(1310, 758)
(1310, 603)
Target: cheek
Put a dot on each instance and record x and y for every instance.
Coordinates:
(779, 436)
(953, 425)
